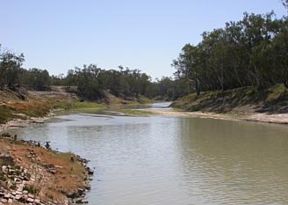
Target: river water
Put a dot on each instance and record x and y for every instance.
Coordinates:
(162, 160)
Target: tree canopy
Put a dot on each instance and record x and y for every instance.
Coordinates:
(249, 52)
(10, 65)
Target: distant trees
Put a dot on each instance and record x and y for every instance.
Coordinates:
(169, 89)
(10, 66)
(35, 79)
(12, 75)
(92, 82)
(249, 52)
(88, 83)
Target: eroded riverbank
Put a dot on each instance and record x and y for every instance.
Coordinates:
(232, 116)
(32, 174)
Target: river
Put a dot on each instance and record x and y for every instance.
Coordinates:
(160, 160)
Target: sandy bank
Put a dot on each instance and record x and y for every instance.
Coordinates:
(19, 123)
(256, 117)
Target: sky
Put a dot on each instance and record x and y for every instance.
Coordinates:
(58, 35)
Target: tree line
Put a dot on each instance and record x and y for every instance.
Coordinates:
(249, 52)
(91, 82)
(13, 76)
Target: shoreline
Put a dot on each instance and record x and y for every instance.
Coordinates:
(249, 116)
(33, 174)
(231, 116)
(19, 123)
(70, 173)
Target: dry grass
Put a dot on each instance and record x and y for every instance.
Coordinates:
(30, 108)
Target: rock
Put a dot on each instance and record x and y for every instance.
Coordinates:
(37, 201)
(23, 199)
(18, 197)
(79, 201)
(4, 201)
(25, 192)
(11, 171)
(90, 171)
(30, 200)
(72, 195)
(7, 196)
(81, 191)
(52, 171)
(31, 196)
(20, 188)
(10, 201)
(88, 187)
(18, 180)
(4, 169)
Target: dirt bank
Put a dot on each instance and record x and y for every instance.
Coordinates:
(32, 174)
(246, 103)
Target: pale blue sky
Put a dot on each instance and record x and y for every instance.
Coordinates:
(58, 35)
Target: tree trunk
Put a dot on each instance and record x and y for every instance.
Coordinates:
(197, 87)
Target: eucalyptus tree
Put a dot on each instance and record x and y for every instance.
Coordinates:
(187, 66)
(249, 52)
(36, 79)
(10, 66)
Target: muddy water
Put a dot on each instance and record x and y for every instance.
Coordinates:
(174, 161)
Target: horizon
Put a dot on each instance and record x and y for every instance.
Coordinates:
(58, 36)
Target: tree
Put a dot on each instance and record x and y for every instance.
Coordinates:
(10, 66)
(88, 84)
(249, 52)
(35, 79)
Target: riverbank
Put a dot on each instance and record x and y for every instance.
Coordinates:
(22, 108)
(32, 174)
(268, 105)
(232, 116)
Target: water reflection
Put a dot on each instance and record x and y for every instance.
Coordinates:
(234, 162)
